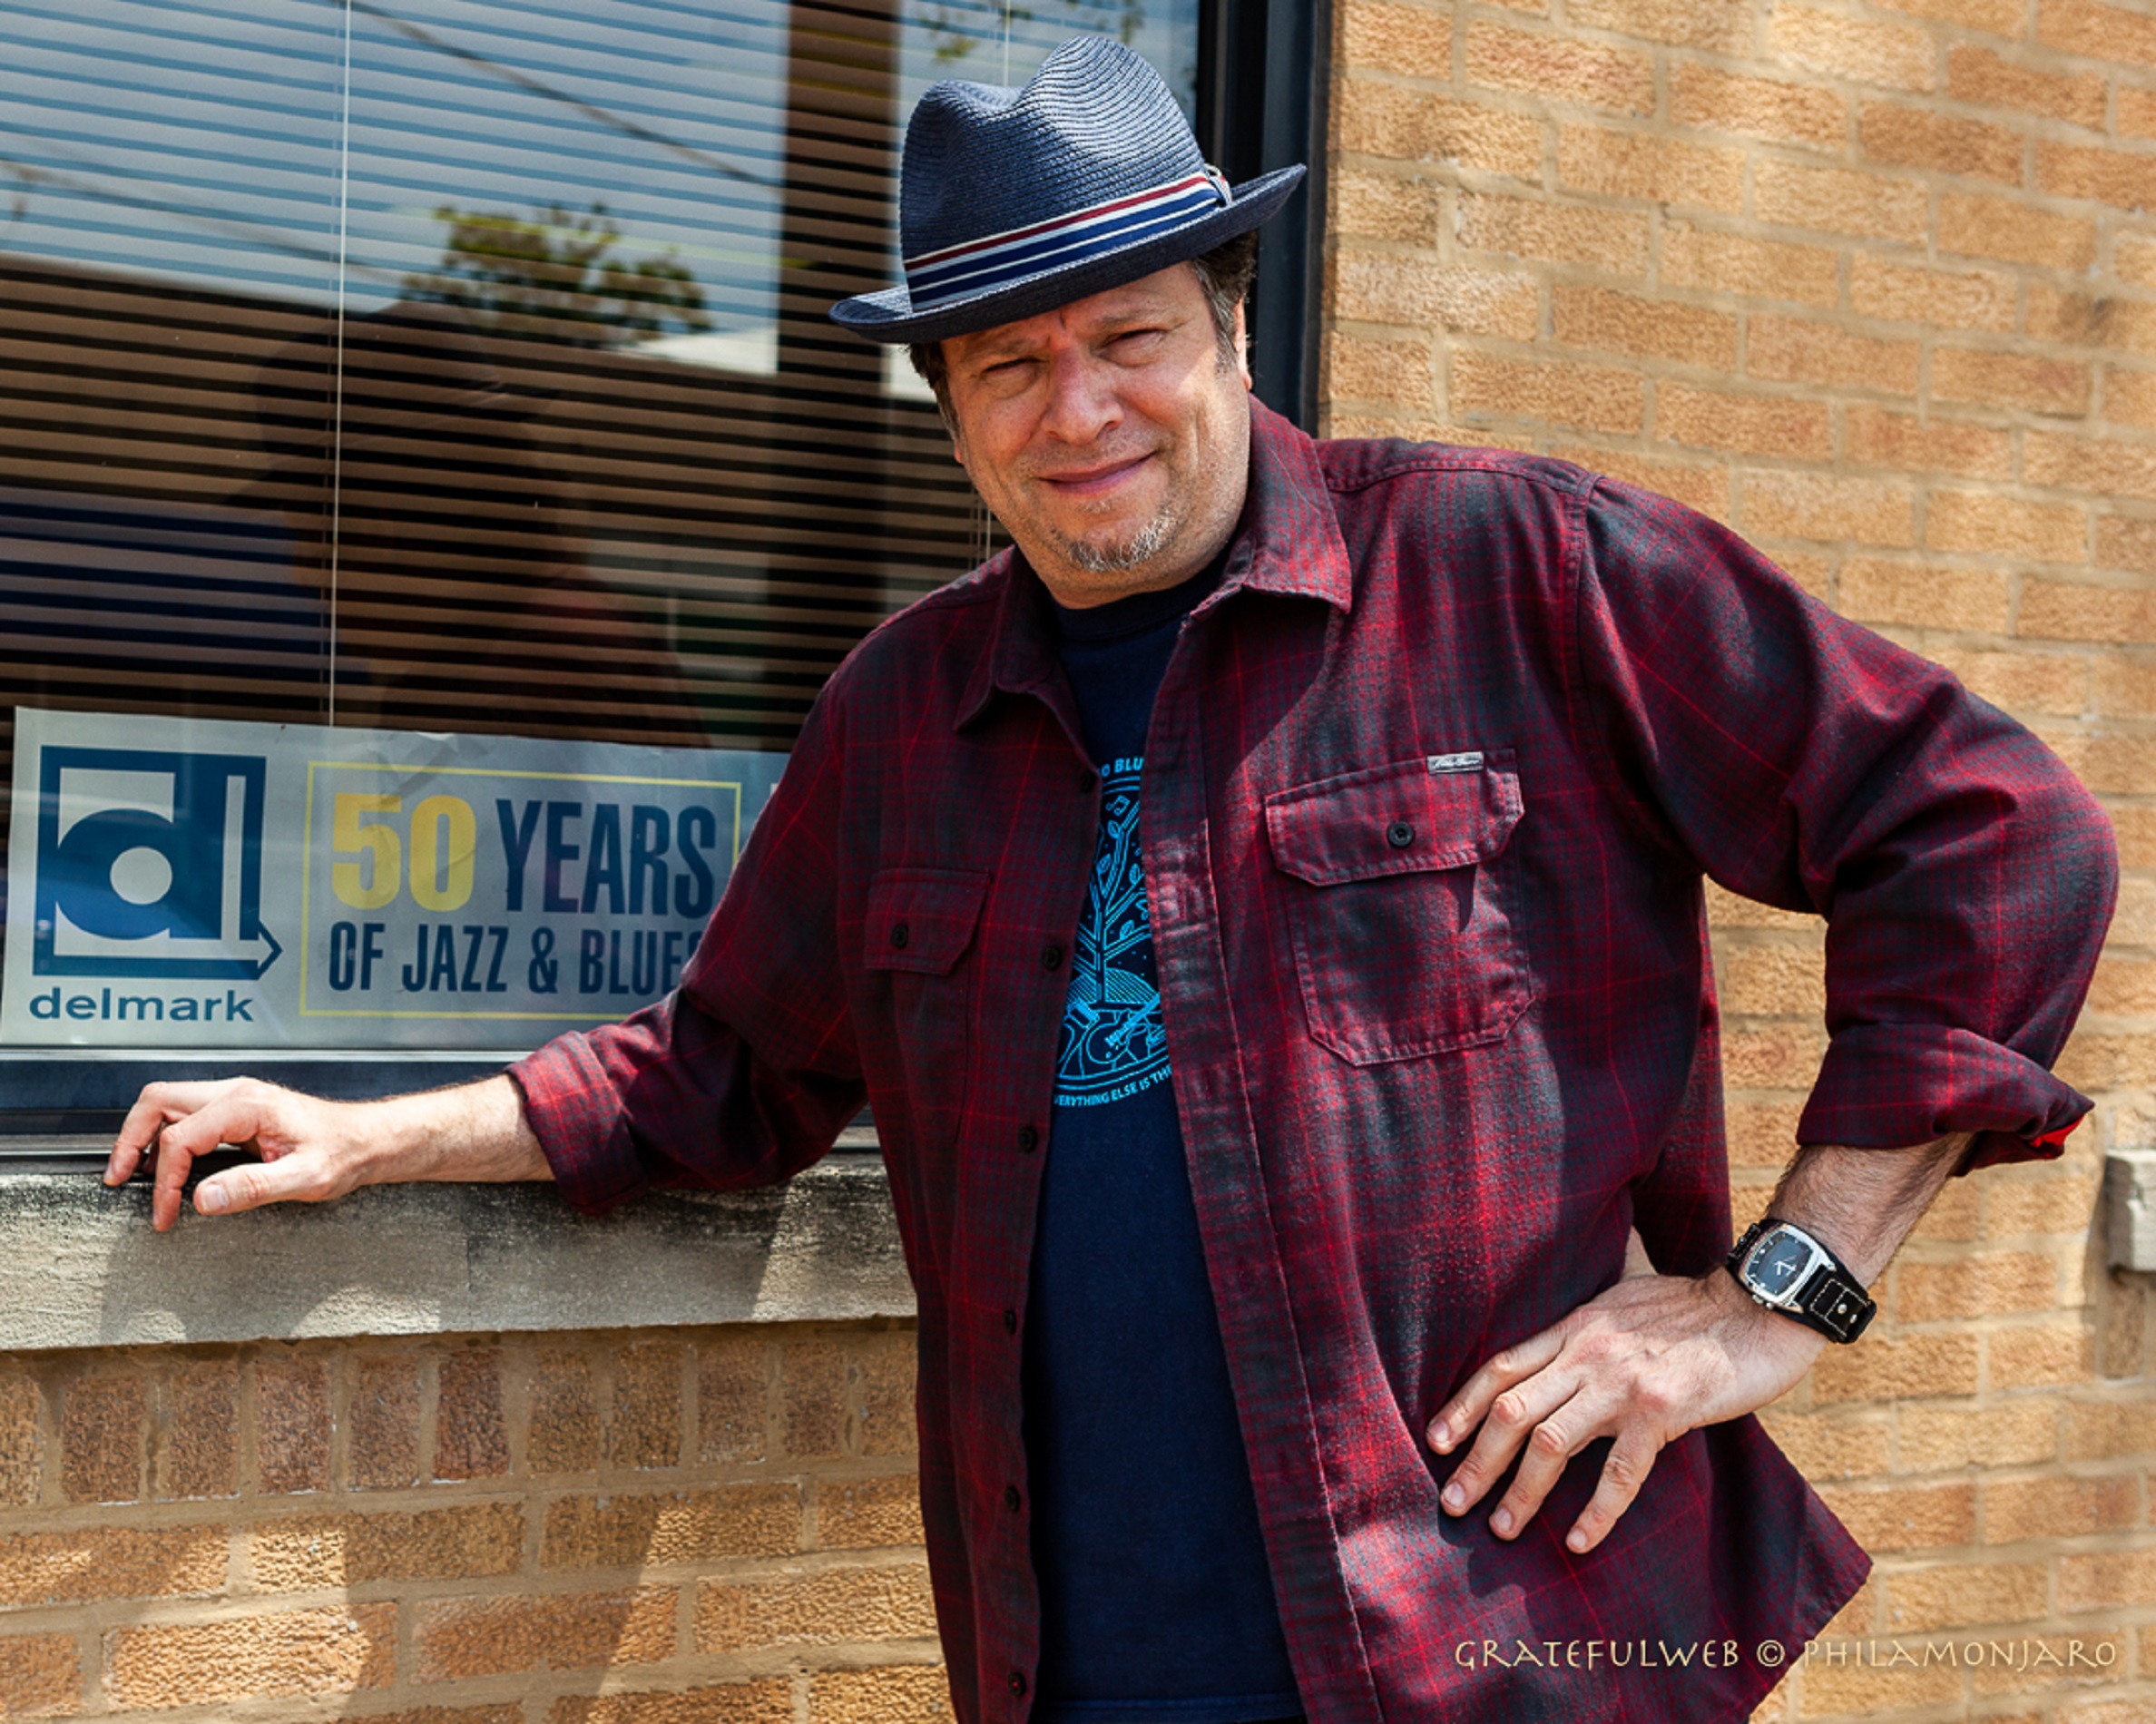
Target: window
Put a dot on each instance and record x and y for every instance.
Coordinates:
(457, 366)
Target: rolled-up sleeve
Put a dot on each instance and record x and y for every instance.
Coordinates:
(1966, 877)
(745, 1073)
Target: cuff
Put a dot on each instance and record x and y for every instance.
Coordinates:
(574, 1108)
(1891, 1085)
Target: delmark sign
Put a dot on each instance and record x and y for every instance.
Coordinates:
(177, 883)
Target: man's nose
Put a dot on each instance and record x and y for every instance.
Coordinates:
(1082, 398)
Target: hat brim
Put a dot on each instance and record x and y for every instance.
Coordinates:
(889, 316)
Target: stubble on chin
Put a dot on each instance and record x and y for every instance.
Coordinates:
(1134, 550)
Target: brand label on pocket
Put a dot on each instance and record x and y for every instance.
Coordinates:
(1455, 763)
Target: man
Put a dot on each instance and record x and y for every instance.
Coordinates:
(1264, 912)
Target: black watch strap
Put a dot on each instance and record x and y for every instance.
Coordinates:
(1827, 1297)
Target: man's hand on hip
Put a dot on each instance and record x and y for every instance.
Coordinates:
(311, 1150)
(1644, 1362)
(1657, 1355)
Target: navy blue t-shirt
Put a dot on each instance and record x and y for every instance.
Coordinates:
(1156, 1606)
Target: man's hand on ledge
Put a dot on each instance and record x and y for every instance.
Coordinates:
(311, 1150)
(1657, 1355)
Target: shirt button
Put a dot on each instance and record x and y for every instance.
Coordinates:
(1052, 956)
(900, 934)
(1011, 1498)
(1399, 835)
(1029, 1139)
(1017, 1683)
(1009, 1322)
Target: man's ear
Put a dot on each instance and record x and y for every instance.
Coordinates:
(1242, 345)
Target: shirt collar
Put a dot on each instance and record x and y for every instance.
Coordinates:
(1289, 529)
(1288, 543)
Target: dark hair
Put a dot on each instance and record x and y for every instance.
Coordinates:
(1224, 273)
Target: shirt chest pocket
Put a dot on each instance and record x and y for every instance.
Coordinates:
(919, 928)
(1397, 898)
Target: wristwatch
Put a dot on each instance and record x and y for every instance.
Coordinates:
(1785, 1269)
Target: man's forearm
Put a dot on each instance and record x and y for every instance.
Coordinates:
(475, 1131)
(1862, 1203)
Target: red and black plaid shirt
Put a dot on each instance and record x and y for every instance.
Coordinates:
(1431, 784)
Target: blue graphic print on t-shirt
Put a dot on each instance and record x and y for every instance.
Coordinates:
(1112, 1043)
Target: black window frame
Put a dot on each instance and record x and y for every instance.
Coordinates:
(1264, 89)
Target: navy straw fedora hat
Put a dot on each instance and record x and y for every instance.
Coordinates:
(1012, 202)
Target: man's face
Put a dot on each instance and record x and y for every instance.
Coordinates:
(1110, 436)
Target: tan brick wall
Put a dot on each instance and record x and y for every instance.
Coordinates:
(711, 1527)
(1876, 285)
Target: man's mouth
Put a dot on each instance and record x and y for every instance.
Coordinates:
(1096, 480)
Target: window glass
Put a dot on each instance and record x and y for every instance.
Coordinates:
(461, 366)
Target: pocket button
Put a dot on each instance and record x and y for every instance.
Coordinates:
(1399, 835)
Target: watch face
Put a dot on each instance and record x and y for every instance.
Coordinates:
(1780, 1258)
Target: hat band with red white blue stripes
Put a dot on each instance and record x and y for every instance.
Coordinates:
(958, 273)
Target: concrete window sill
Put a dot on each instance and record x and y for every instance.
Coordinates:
(79, 1265)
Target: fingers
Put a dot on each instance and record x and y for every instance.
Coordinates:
(1624, 1470)
(1636, 1413)
(301, 1178)
(169, 1175)
(150, 1133)
(1467, 1409)
(230, 1116)
(171, 1126)
(1531, 1414)
(1628, 1364)
(138, 1131)
(1545, 1422)
(158, 1105)
(242, 1112)
(1549, 1445)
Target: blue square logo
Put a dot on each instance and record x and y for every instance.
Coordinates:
(150, 864)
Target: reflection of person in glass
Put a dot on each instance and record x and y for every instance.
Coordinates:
(451, 559)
